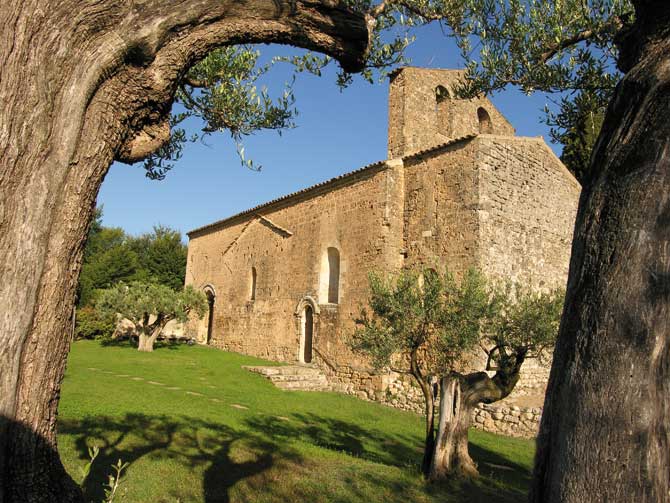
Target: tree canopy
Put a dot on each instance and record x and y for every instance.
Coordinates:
(111, 256)
(150, 307)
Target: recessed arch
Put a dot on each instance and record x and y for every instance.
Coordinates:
(333, 256)
(484, 120)
(306, 315)
(441, 94)
(210, 293)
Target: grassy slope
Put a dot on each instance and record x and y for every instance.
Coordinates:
(283, 446)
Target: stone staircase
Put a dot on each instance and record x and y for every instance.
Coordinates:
(294, 377)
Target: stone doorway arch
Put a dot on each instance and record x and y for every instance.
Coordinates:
(210, 293)
(306, 315)
(307, 334)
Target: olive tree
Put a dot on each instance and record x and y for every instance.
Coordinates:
(150, 306)
(430, 326)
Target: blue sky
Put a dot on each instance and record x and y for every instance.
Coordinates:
(338, 131)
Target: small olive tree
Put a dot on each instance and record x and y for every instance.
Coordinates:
(139, 302)
(430, 326)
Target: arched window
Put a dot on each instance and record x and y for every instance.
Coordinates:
(443, 110)
(252, 294)
(441, 94)
(333, 275)
(485, 126)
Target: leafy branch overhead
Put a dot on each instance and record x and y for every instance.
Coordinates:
(564, 47)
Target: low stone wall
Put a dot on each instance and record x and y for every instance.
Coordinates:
(399, 391)
(513, 421)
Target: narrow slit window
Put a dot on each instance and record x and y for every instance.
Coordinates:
(252, 295)
(333, 275)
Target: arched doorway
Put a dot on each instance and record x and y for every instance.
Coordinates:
(211, 300)
(307, 334)
(306, 323)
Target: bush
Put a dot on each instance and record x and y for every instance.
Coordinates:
(91, 324)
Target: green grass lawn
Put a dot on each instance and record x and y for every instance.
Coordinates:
(196, 427)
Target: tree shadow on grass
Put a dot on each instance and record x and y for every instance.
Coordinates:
(264, 454)
(190, 442)
(342, 436)
(501, 479)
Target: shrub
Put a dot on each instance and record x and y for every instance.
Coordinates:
(92, 324)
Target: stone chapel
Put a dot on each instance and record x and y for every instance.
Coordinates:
(286, 279)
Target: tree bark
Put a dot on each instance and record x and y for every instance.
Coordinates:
(451, 456)
(429, 403)
(83, 84)
(429, 443)
(605, 431)
(459, 394)
(145, 343)
(149, 333)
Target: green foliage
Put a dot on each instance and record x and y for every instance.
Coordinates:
(428, 313)
(107, 260)
(112, 256)
(443, 321)
(222, 91)
(114, 481)
(577, 127)
(161, 257)
(528, 322)
(86, 469)
(565, 47)
(92, 324)
(137, 301)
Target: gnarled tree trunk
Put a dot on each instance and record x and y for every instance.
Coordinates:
(429, 404)
(605, 431)
(459, 394)
(150, 332)
(145, 343)
(451, 456)
(83, 84)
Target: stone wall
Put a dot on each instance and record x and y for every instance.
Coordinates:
(502, 417)
(419, 120)
(510, 420)
(440, 219)
(286, 242)
(527, 204)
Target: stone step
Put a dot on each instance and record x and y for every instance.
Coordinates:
(285, 370)
(302, 386)
(294, 377)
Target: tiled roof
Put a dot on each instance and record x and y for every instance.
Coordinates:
(320, 185)
(255, 209)
(438, 146)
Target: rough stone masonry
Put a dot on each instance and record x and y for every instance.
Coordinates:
(286, 279)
